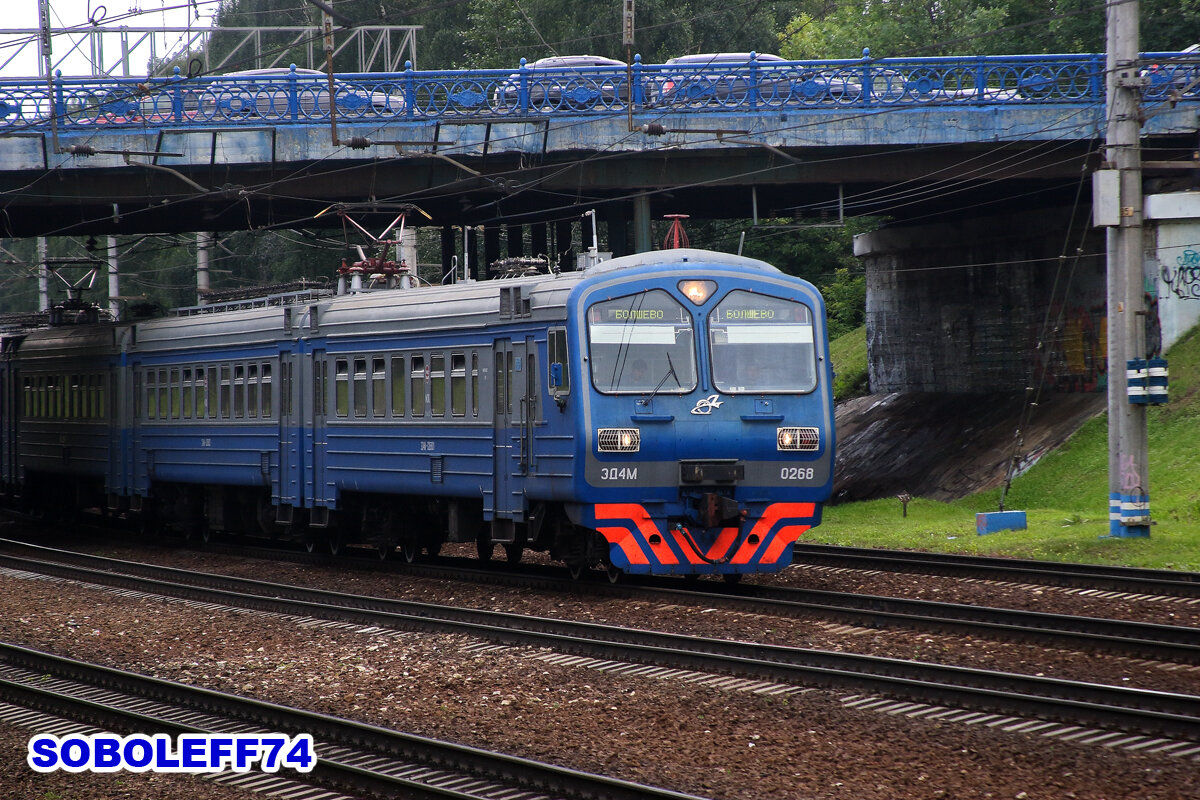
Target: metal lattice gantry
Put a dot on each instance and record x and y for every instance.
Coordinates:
(133, 51)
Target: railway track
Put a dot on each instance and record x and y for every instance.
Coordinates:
(1141, 640)
(1132, 580)
(1110, 707)
(351, 756)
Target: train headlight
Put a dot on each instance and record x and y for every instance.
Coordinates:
(797, 438)
(697, 291)
(619, 440)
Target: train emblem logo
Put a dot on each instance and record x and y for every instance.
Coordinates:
(706, 405)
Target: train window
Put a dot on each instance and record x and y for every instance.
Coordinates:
(239, 391)
(642, 343)
(437, 385)
(508, 380)
(761, 344)
(556, 346)
(174, 394)
(226, 400)
(201, 393)
(163, 389)
(458, 384)
(475, 384)
(265, 391)
(252, 390)
(188, 390)
(417, 373)
(26, 398)
(214, 388)
(73, 404)
(398, 386)
(501, 371)
(360, 387)
(102, 396)
(146, 389)
(531, 387)
(378, 387)
(341, 387)
(320, 399)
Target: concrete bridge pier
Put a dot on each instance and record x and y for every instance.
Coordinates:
(616, 218)
(641, 224)
(986, 304)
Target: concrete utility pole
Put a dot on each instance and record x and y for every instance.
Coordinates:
(204, 245)
(43, 251)
(1128, 460)
(114, 279)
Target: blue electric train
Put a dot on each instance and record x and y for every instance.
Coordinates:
(668, 413)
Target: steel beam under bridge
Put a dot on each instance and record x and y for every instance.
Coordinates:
(907, 164)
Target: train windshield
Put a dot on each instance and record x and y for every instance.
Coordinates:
(642, 343)
(762, 344)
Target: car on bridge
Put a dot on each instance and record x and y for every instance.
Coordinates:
(722, 79)
(268, 93)
(565, 82)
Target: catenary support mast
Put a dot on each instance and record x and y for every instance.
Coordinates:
(1128, 461)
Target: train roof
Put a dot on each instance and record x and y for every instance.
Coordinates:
(430, 309)
(680, 256)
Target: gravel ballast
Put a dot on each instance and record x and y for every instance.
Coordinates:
(687, 736)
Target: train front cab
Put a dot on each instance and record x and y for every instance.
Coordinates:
(707, 433)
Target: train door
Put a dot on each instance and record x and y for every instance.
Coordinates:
(10, 407)
(509, 455)
(529, 407)
(291, 449)
(314, 438)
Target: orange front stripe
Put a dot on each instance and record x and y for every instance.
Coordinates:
(623, 539)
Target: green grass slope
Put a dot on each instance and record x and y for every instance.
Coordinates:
(1064, 495)
(849, 356)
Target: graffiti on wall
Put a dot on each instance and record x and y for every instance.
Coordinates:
(1184, 277)
(1074, 358)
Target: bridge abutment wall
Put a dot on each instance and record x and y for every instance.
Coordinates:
(986, 304)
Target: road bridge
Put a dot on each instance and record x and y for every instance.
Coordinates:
(981, 164)
(906, 138)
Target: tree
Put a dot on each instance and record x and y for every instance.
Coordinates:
(894, 28)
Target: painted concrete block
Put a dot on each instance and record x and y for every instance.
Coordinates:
(994, 521)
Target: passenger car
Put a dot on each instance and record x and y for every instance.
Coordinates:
(669, 412)
(572, 82)
(723, 79)
(268, 93)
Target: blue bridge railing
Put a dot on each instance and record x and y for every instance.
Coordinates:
(290, 95)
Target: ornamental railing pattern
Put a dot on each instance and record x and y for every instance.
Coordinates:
(291, 95)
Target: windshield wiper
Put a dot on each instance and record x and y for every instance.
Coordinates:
(670, 374)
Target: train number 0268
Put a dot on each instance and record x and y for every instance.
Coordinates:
(796, 473)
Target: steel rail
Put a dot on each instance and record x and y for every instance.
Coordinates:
(1121, 708)
(364, 757)
(1136, 580)
(1170, 643)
